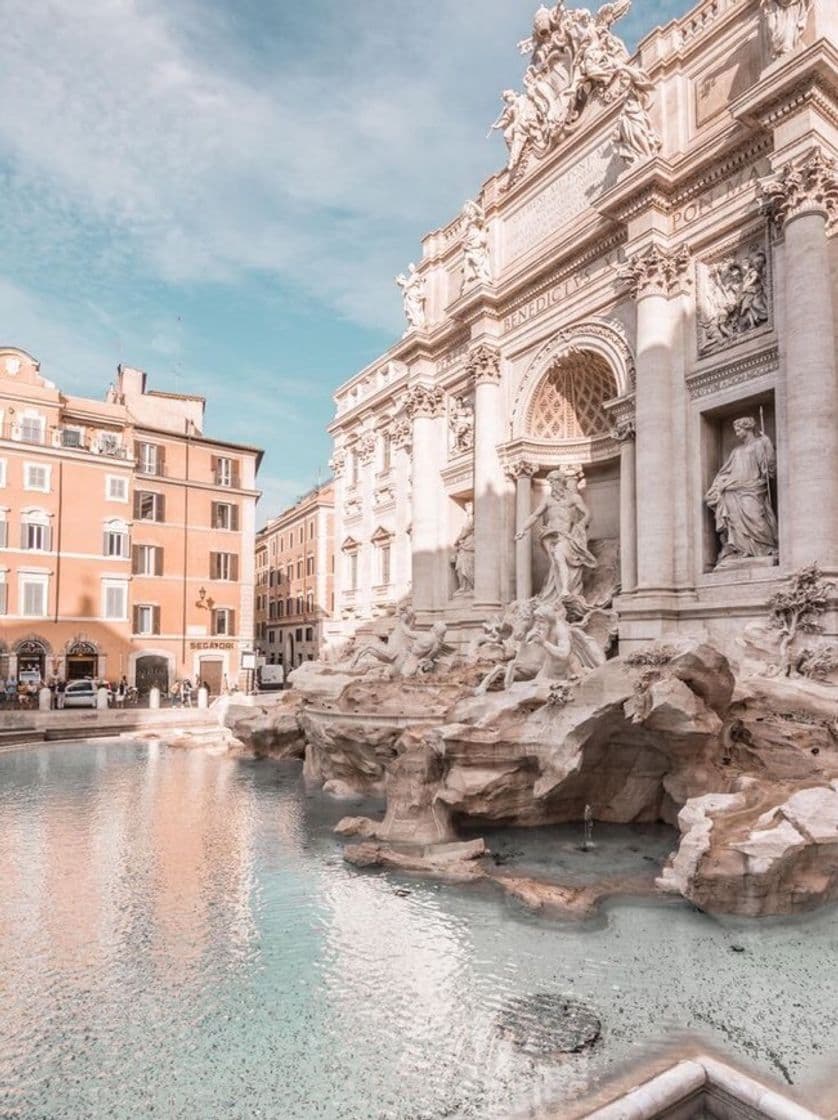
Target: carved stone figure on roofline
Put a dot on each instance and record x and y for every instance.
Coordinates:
(786, 22)
(575, 57)
(413, 292)
(477, 267)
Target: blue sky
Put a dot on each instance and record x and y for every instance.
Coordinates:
(221, 191)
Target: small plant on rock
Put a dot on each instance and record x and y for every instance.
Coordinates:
(797, 610)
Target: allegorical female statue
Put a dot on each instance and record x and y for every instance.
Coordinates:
(564, 519)
(740, 496)
(463, 559)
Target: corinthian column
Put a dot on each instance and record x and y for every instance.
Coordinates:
(521, 472)
(484, 367)
(656, 276)
(625, 434)
(424, 406)
(803, 200)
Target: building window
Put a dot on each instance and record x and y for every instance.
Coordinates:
(299, 634)
(310, 602)
(35, 532)
(32, 429)
(150, 458)
(33, 596)
(299, 604)
(384, 564)
(116, 488)
(149, 506)
(272, 640)
(309, 633)
(4, 594)
(226, 516)
(147, 560)
(116, 540)
(299, 569)
(4, 530)
(225, 471)
(36, 477)
(352, 563)
(354, 468)
(289, 607)
(309, 565)
(289, 572)
(311, 530)
(146, 620)
(115, 601)
(72, 437)
(223, 622)
(280, 608)
(224, 565)
(2, 472)
(386, 453)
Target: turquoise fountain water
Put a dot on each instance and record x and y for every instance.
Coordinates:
(180, 938)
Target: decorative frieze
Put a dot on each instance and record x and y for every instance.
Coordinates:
(424, 402)
(656, 271)
(365, 447)
(734, 297)
(484, 365)
(733, 374)
(337, 463)
(808, 186)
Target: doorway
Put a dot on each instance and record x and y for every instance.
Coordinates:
(152, 672)
(212, 674)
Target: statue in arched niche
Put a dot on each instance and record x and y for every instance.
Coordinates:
(563, 520)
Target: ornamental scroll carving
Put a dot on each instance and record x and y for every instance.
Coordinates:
(424, 402)
(811, 185)
(656, 272)
(484, 365)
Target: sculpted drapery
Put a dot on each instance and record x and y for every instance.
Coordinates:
(740, 497)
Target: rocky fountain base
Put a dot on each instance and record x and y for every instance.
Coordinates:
(746, 768)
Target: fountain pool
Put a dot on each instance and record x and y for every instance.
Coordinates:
(180, 938)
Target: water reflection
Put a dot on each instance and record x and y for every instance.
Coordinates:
(179, 937)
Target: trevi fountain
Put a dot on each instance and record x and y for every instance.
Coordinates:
(552, 829)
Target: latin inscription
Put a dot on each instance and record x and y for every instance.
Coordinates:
(558, 203)
(721, 192)
(559, 292)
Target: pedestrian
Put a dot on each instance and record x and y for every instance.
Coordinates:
(187, 692)
(121, 692)
(59, 694)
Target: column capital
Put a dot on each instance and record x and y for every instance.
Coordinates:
(400, 431)
(337, 463)
(483, 364)
(365, 447)
(520, 468)
(657, 271)
(625, 431)
(809, 186)
(424, 402)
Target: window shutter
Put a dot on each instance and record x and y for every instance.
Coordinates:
(213, 565)
(214, 515)
(135, 560)
(234, 568)
(213, 622)
(235, 477)
(105, 544)
(214, 468)
(158, 561)
(161, 459)
(3, 603)
(234, 518)
(135, 625)
(138, 450)
(161, 507)
(23, 534)
(155, 620)
(138, 496)
(48, 538)
(231, 623)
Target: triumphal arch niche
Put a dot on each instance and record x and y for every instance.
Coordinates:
(618, 372)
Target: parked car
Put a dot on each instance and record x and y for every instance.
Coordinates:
(82, 694)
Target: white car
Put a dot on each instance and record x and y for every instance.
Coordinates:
(82, 694)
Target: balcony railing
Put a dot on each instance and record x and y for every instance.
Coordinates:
(38, 435)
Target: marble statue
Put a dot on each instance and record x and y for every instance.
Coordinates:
(463, 559)
(574, 55)
(740, 497)
(551, 649)
(477, 267)
(735, 300)
(424, 651)
(786, 23)
(394, 653)
(563, 518)
(461, 425)
(413, 291)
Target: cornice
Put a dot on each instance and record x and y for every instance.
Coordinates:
(802, 78)
(748, 367)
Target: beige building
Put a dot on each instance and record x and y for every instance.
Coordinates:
(294, 580)
(126, 534)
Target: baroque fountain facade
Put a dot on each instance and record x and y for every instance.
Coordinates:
(587, 506)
